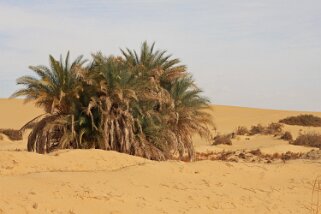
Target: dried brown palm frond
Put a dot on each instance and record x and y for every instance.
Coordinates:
(52, 132)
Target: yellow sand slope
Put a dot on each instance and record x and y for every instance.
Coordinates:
(96, 181)
(228, 118)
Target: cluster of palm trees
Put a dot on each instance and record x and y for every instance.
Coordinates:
(143, 104)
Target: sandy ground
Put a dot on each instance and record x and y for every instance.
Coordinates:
(95, 181)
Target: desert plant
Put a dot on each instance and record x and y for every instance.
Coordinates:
(257, 129)
(287, 136)
(56, 87)
(222, 139)
(142, 104)
(273, 129)
(242, 130)
(303, 120)
(308, 139)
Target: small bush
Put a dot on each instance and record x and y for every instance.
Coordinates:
(258, 129)
(273, 129)
(223, 139)
(12, 134)
(242, 130)
(287, 136)
(309, 139)
(303, 120)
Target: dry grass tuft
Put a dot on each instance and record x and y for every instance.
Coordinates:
(12, 134)
(274, 129)
(309, 139)
(257, 129)
(303, 120)
(287, 136)
(242, 130)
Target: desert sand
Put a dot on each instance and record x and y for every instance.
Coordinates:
(96, 181)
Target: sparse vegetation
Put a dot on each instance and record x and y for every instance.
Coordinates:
(12, 134)
(223, 139)
(303, 120)
(271, 129)
(256, 156)
(143, 104)
(242, 130)
(308, 139)
(287, 136)
(257, 129)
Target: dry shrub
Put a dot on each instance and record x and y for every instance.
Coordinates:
(12, 134)
(257, 129)
(223, 139)
(1, 137)
(303, 120)
(273, 129)
(287, 136)
(242, 130)
(309, 139)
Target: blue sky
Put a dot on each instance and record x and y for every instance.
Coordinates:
(254, 53)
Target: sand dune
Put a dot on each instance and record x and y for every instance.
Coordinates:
(96, 181)
(228, 118)
(14, 113)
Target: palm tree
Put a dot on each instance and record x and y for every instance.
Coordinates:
(57, 89)
(170, 121)
(191, 115)
(117, 103)
(142, 104)
(155, 64)
(56, 86)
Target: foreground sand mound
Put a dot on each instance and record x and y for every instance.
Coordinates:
(95, 181)
(21, 163)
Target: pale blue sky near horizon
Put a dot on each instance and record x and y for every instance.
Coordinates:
(252, 53)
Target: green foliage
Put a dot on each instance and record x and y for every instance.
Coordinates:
(143, 104)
